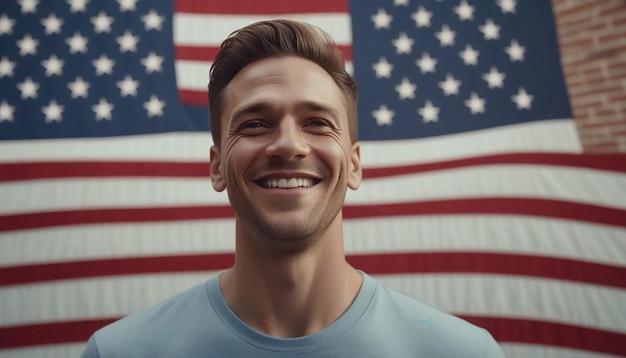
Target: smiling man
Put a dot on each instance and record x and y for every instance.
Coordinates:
(283, 117)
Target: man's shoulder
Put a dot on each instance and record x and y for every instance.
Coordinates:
(180, 316)
(407, 319)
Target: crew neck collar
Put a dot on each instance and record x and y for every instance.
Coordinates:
(311, 342)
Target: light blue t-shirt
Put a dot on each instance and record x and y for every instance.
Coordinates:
(380, 322)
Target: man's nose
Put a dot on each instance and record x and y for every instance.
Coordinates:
(288, 141)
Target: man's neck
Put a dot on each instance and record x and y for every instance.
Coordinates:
(291, 295)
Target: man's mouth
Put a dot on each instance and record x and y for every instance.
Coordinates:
(287, 183)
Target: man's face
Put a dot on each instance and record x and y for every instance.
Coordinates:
(286, 157)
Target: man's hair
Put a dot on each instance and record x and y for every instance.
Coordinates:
(276, 38)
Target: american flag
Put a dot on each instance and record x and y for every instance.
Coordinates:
(476, 197)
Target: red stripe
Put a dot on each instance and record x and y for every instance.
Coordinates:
(193, 97)
(265, 7)
(498, 206)
(83, 169)
(50, 333)
(615, 163)
(207, 54)
(551, 334)
(101, 216)
(504, 330)
(92, 169)
(377, 264)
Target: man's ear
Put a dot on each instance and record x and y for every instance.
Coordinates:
(217, 178)
(356, 172)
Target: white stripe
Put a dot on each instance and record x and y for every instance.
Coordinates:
(558, 136)
(528, 181)
(194, 75)
(210, 30)
(545, 136)
(469, 233)
(489, 295)
(517, 297)
(90, 298)
(519, 350)
(45, 351)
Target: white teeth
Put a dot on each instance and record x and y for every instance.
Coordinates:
(284, 183)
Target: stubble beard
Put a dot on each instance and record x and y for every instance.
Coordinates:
(283, 235)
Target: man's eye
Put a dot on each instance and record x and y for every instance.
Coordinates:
(252, 125)
(317, 122)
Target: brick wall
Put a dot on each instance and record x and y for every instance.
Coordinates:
(592, 36)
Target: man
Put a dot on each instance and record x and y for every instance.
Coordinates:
(283, 116)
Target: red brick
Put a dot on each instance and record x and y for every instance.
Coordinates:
(576, 44)
(579, 10)
(593, 90)
(612, 8)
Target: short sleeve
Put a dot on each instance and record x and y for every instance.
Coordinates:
(91, 350)
(492, 349)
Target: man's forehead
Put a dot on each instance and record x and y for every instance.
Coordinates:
(307, 82)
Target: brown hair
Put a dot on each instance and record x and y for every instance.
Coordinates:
(276, 38)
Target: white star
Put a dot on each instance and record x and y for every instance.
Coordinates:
(154, 106)
(522, 99)
(445, 36)
(507, 6)
(384, 117)
(78, 5)
(382, 68)
(28, 88)
(52, 24)
(153, 21)
(465, 11)
(426, 63)
(127, 42)
(6, 25)
(494, 78)
(381, 19)
(128, 87)
(103, 110)
(103, 65)
(27, 45)
(79, 88)
(515, 51)
(403, 44)
(152, 62)
(422, 17)
(476, 104)
(101, 23)
(28, 6)
(490, 30)
(53, 112)
(406, 89)
(6, 67)
(53, 65)
(6, 112)
(401, 2)
(429, 112)
(127, 5)
(469, 55)
(450, 85)
(77, 43)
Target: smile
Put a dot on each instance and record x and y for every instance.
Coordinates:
(284, 183)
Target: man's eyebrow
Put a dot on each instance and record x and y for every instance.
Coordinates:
(304, 106)
(313, 106)
(253, 108)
